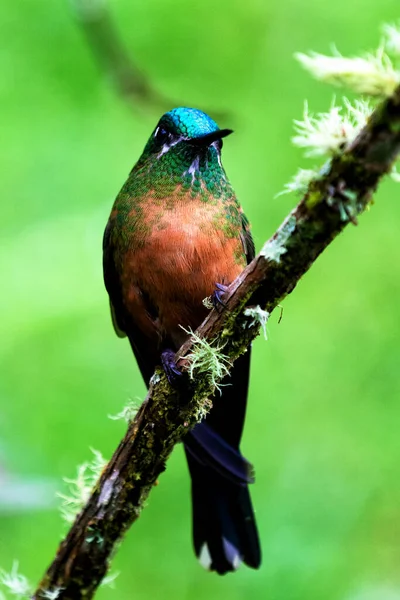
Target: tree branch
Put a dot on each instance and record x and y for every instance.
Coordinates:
(332, 201)
(114, 61)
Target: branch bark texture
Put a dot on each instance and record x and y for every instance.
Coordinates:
(333, 201)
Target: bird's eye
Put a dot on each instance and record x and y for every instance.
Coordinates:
(162, 135)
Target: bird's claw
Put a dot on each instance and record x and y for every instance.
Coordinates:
(217, 295)
(170, 367)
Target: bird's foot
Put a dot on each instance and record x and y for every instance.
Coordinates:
(217, 296)
(169, 365)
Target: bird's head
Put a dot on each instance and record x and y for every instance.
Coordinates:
(184, 136)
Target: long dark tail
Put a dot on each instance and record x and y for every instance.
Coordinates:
(224, 528)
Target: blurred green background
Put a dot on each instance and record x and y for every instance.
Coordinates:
(324, 417)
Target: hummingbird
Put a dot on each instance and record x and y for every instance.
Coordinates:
(177, 235)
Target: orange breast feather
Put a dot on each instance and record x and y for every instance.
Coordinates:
(185, 254)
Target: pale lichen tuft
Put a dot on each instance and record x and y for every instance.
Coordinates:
(391, 39)
(330, 132)
(373, 74)
(155, 378)
(81, 487)
(207, 302)
(109, 580)
(128, 413)
(299, 182)
(258, 316)
(15, 583)
(51, 594)
(208, 359)
(276, 246)
(395, 175)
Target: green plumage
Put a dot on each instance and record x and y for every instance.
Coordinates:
(165, 178)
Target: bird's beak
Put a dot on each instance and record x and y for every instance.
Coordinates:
(207, 140)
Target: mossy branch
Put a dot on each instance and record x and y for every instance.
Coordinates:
(330, 204)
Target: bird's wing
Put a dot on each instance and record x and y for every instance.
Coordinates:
(111, 281)
(124, 325)
(247, 240)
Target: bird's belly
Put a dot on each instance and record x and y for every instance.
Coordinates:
(177, 267)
